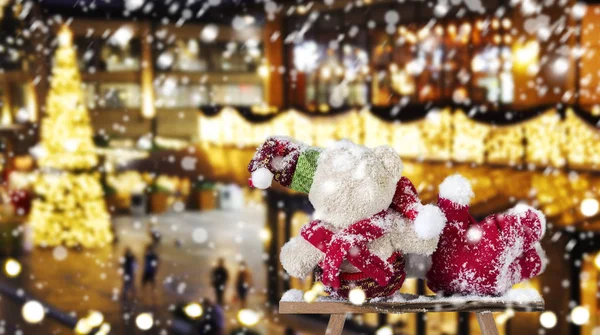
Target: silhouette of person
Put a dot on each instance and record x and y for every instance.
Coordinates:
(220, 276)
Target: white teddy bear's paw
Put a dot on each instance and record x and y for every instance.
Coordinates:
(299, 258)
(430, 222)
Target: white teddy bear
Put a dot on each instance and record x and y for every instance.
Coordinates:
(367, 220)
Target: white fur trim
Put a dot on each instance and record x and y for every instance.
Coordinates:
(540, 251)
(456, 188)
(299, 257)
(262, 178)
(430, 222)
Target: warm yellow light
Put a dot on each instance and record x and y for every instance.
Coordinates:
(393, 67)
(193, 310)
(506, 23)
(263, 71)
(495, 23)
(104, 329)
(597, 261)
(65, 36)
(33, 312)
(439, 30)
(248, 317)
(589, 207)
(465, 28)
(548, 319)
(497, 39)
(265, 234)
(580, 315)
(83, 327)
(527, 54)
(144, 321)
(480, 24)
(12, 267)
(95, 318)
(310, 296)
(357, 296)
(385, 330)
(326, 72)
(423, 33)
(507, 39)
(451, 29)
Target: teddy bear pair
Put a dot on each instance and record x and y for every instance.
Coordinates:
(370, 230)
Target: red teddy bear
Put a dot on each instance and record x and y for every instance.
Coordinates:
(487, 257)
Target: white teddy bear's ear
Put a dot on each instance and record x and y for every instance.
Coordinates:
(391, 160)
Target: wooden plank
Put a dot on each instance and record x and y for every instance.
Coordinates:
(336, 324)
(336, 307)
(486, 323)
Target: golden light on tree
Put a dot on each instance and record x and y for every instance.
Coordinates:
(70, 208)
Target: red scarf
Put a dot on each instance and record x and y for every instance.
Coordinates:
(349, 244)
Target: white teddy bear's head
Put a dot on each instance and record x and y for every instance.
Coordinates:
(353, 182)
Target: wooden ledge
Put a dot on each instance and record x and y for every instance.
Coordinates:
(525, 301)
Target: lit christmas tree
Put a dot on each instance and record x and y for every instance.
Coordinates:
(70, 209)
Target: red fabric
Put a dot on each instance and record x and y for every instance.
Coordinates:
(349, 244)
(502, 257)
(406, 198)
(372, 289)
(274, 147)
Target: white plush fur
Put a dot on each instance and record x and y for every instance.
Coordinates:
(353, 182)
(456, 188)
(405, 239)
(299, 257)
(430, 222)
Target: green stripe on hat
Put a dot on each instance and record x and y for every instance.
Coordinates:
(305, 170)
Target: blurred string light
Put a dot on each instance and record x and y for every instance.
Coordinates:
(580, 315)
(315, 291)
(93, 320)
(385, 330)
(144, 321)
(597, 261)
(357, 296)
(193, 310)
(33, 312)
(248, 317)
(548, 319)
(504, 145)
(209, 33)
(12, 268)
(589, 207)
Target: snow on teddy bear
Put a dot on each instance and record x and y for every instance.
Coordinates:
(487, 257)
(367, 217)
